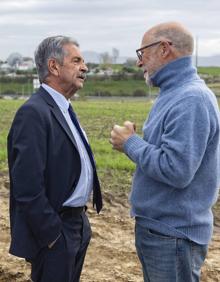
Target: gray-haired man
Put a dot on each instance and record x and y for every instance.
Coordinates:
(52, 170)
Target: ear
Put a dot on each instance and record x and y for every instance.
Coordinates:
(165, 49)
(53, 67)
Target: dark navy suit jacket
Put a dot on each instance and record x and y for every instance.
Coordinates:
(44, 169)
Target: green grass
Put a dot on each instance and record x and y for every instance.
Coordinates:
(16, 88)
(115, 88)
(7, 112)
(97, 118)
(209, 70)
(92, 87)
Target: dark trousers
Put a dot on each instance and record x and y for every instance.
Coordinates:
(64, 261)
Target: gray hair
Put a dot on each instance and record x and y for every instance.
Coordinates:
(51, 47)
(181, 39)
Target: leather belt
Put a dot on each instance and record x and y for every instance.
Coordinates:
(72, 211)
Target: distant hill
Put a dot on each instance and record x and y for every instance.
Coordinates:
(94, 57)
(212, 61)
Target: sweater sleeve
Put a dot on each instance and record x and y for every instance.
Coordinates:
(186, 130)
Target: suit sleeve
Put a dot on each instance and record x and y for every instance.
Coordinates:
(27, 152)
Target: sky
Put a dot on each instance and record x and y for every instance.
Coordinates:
(100, 25)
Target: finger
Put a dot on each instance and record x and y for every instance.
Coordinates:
(128, 124)
(113, 134)
(117, 128)
(111, 141)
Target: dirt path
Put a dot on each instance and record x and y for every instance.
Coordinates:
(111, 255)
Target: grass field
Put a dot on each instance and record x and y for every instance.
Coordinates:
(106, 87)
(209, 70)
(92, 87)
(113, 87)
(97, 118)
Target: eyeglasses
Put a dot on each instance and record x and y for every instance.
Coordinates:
(140, 53)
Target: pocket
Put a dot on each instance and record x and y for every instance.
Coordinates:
(198, 254)
(157, 234)
(60, 242)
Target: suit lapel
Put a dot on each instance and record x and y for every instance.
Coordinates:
(57, 114)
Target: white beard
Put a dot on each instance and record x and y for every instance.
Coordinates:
(147, 79)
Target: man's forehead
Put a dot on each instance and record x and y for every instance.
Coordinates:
(148, 36)
(71, 48)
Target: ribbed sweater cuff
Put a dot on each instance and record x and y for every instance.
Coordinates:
(132, 145)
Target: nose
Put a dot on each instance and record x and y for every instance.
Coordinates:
(139, 63)
(84, 67)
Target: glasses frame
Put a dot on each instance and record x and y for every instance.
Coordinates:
(138, 51)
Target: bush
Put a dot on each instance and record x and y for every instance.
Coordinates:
(139, 93)
(9, 92)
(101, 93)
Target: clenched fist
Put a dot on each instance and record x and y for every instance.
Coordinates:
(120, 134)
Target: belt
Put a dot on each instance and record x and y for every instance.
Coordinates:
(72, 211)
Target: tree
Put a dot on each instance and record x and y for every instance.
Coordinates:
(130, 62)
(106, 58)
(14, 60)
(115, 55)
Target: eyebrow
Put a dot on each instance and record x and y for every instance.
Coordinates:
(77, 58)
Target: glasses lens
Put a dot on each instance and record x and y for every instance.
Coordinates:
(139, 55)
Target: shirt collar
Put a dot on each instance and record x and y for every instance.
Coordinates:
(59, 99)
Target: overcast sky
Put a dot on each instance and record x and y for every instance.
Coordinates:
(100, 25)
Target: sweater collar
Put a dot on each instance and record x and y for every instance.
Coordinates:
(174, 73)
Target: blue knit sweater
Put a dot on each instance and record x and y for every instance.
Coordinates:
(178, 159)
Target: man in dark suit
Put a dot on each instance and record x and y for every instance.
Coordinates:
(52, 170)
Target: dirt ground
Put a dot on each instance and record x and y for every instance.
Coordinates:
(111, 255)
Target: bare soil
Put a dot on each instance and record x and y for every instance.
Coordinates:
(111, 255)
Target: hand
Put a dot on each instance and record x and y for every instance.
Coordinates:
(120, 134)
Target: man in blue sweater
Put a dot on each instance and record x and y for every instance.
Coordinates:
(177, 160)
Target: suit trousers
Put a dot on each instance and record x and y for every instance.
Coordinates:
(64, 261)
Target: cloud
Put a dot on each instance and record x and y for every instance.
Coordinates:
(101, 25)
